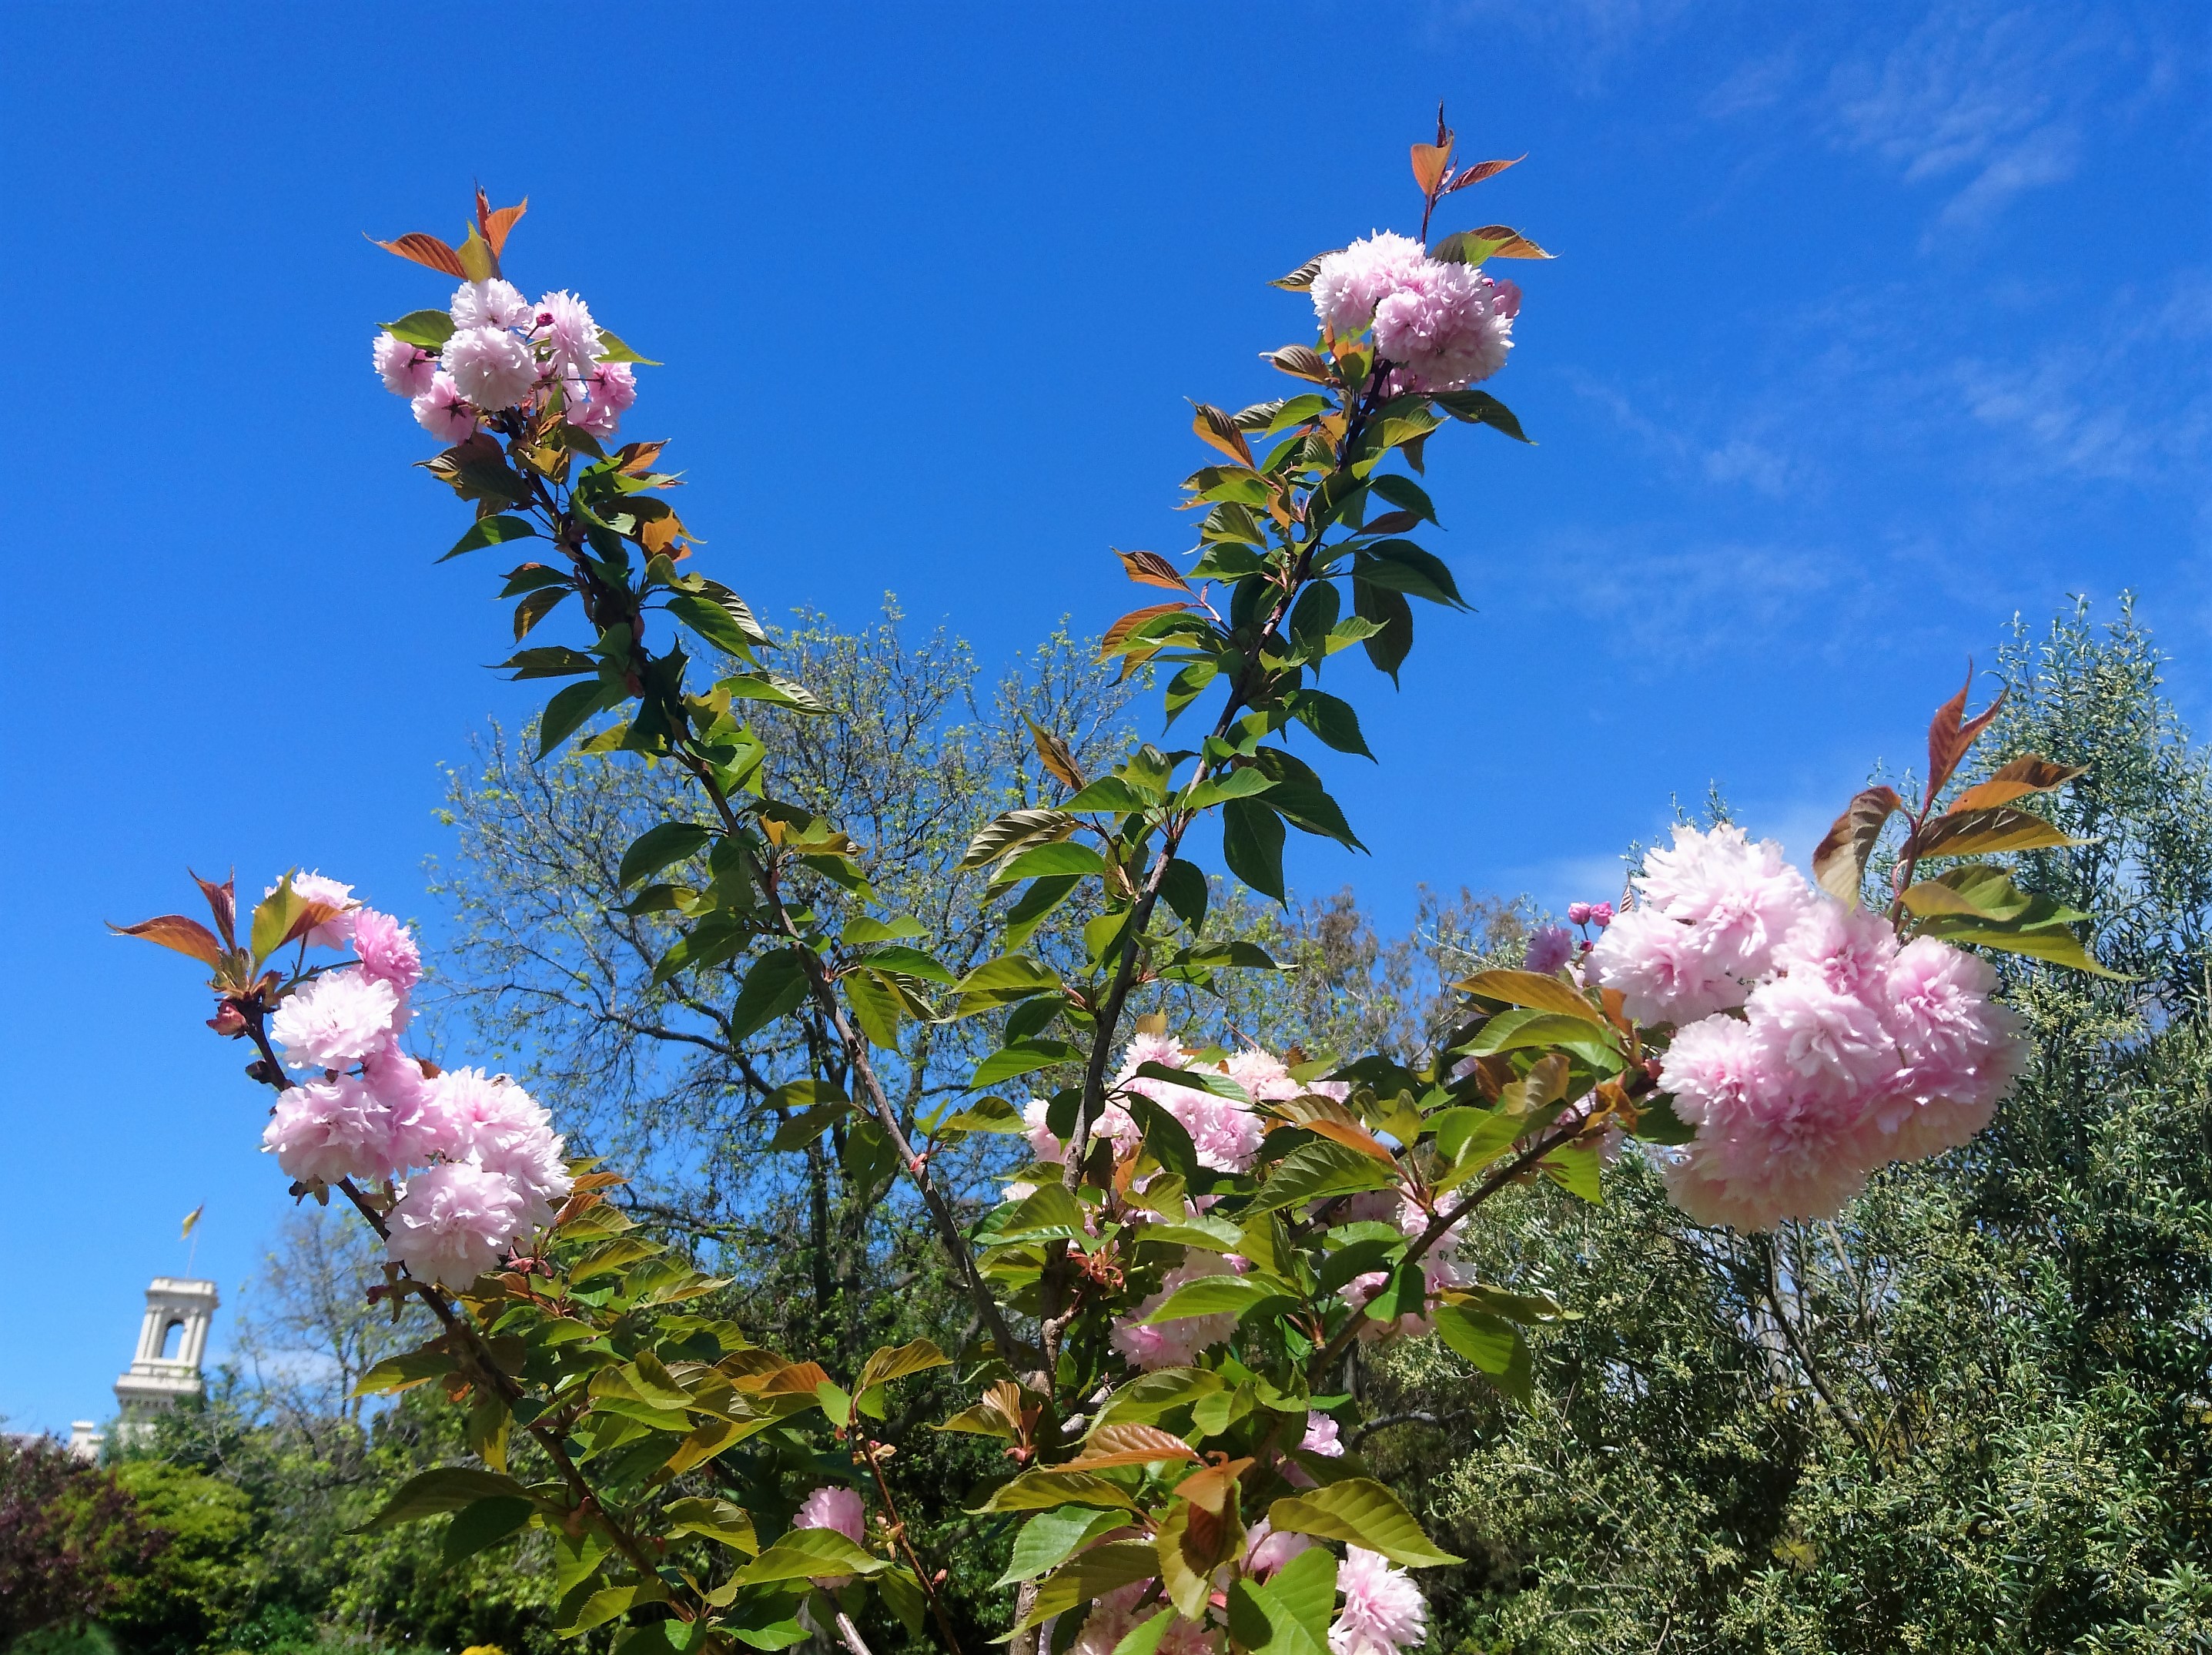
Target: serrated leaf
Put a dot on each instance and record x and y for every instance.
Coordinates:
(2054, 943)
(1318, 1169)
(427, 329)
(1252, 838)
(1360, 1512)
(1050, 1538)
(1135, 1443)
(1011, 831)
(175, 931)
(1491, 1342)
(492, 532)
(1988, 893)
(483, 1524)
(2029, 773)
(892, 1362)
(1213, 1295)
(803, 1553)
(1021, 1058)
(657, 848)
(447, 1488)
(1839, 859)
(1986, 833)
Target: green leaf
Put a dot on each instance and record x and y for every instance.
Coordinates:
(1986, 833)
(1090, 1575)
(901, 1594)
(1520, 1030)
(804, 1552)
(657, 848)
(1290, 1614)
(715, 623)
(566, 712)
(1050, 1538)
(1481, 408)
(428, 329)
(1021, 1058)
(1362, 1512)
(612, 350)
(1985, 892)
(890, 1362)
(2054, 943)
(1031, 908)
(776, 983)
(1300, 799)
(1401, 566)
(1393, 616)
(717, 1520)
(1183, 887)
(492, 532)
(1574, 1170)
(1108, 793)
(864, 930)
(1245, 782)
(1215, 1295)
(1047, 1213)
(483, 1524)
(906, 962)
(553, 661)
(1143, 1638)
(448, 1489)
(1013, 830)
(774, 689)
(1049, 1486)
(1330, 718)
(1322, 1168)
(1009, 978)
(1149, 1397)
(1059, 858)
(1252, 838)
(1209, 1080)
(604, 1606)
(1492, 1344)
(403, 1371)
(1404, 492)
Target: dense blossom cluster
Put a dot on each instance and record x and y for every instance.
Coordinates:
(507, 353)
(1810, 1047)
(1444, 326)
(491, 1171)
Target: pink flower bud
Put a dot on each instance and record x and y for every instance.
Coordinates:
(1578, 913)
(1600, 915)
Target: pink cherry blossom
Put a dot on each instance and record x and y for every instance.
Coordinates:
(1813, 1039)
(1444, 326)
(1382, 1612)
(1322, 1437)
(335, 1020)
(1112, 1616)
(406, 369)
(329, 1130)
(1578, 913)
(1550, 947)
(1663, 972)
(417, 1129)
(838, 1508)
(454, 1222)
(493, 1122)
(387, 949)
(443, 412)
(1958, 1049)
(1266, 1551)
(1351, 282)
(493, 304)
(490, 367)
(562, 324)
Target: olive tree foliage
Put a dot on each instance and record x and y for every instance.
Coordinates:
(1973, 1412)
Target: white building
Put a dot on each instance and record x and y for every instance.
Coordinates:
(172, 1342)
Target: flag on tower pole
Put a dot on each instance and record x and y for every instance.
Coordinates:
(191, 1219)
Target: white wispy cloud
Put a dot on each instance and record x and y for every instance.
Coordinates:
(1991, 101)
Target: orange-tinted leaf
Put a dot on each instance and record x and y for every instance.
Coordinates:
(1053, 754)
(1150, 569)
(798, 1379)
(1950, 733)
(1839, 859)
(1432, 162)
(1209, 1489)
(2030, 773)
(186, 936)
(1538, 993)
(1299, 280)
(1302, 361)
(1482, 170)
(1512, 244)
(497, 224)
(307, 917)
(1985, 833)
(1350, 1137)
(222, 902)
(1129, 622)
(636, 459)
(426, 250)
(1131, 1444)
(1217, 428)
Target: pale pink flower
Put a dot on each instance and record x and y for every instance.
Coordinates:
(1351, 282)
(1601, 914)
(1848, 949)
(490, 367)
(1443, 327)
(1662, 971)
(1768, 1146)
(335, 1020)
(1958, 1049)
(406, 369)
(1173, 1344)
(1382, 1612)
(1321, 1437)
(1578, 913)
(454, 1222)
(329, 1130)
(1263, 1075)
(417, 1130)
(613, 384)
(493, 1121)
(1225, 1134)
(387, 949)
(1550, 946)
(1111, 1618)
(1181, 1638)
(1266, 1551)
(1815, 1039)
(839, 1508)
(1044, 1145)
(443, 412)
(494, 304)
(564, 326)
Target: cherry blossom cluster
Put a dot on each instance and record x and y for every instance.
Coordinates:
(1382, 1612)
(506, 352)
(1810, 1046)
(1444, 326)
(491, 1172)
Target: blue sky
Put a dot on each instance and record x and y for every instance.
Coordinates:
(1872, 325)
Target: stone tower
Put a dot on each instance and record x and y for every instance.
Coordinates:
(167, 1368)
